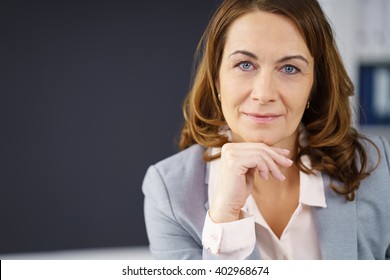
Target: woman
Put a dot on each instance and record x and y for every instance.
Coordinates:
(271, 167)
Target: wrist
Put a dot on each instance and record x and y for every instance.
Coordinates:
(224, 216)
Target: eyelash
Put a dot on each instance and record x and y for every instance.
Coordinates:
(295, 69)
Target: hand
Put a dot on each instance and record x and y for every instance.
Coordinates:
(239, 163)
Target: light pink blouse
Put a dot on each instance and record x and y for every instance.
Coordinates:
(236, 240)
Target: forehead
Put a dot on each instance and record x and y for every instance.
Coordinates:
(258, 30)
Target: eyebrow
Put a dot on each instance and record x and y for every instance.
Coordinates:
(252, 55)
(286, 58)
(283, 59)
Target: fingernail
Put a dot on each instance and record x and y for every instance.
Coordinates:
(282, 178)
(286, 151)
(289, 161)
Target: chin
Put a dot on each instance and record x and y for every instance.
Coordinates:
(270, 137)
(270, 141)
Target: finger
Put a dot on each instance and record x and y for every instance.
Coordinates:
(276, 152)
(266, 161)
(272, 166)
(281, 151)
(263, 163)
(283, 161)
(256, 161)
(263, 175)
(249, 146)
(280, 159)
(262, 156)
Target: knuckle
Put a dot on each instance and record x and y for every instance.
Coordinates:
(227, 154)
(263, 155)
(259, 158)
(262, 146)
(226, 147)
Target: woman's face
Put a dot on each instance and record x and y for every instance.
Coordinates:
(265, 79)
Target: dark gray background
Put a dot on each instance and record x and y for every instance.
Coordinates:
(90, 96)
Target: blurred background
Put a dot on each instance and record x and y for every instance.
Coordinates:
(91, 95)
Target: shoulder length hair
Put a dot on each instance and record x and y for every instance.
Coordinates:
(333, 146)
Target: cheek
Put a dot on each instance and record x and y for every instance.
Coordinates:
(302, 90)
(235, 88)
(296, 100)
(231, 105)
(232, 95)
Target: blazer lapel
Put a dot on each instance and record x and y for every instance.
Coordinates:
(336, 226)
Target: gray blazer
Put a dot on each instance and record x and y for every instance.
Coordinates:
(176, 203)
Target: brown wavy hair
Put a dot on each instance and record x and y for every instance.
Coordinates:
(334, 147)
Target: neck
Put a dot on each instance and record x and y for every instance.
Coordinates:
(272, 188)
(290, 143)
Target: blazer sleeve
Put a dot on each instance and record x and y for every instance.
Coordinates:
(167, 237)
(386, 151)
(386, 157)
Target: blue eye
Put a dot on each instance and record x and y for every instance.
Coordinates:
(289, 69)
(246, 66)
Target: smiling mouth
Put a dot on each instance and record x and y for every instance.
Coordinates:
(267, 118)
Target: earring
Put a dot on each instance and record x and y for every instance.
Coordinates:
(219, 96)
(308, 105)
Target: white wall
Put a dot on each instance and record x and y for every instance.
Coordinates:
(362, 30)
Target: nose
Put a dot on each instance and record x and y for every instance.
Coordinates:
(264, 88)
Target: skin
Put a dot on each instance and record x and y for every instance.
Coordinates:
(265, 80)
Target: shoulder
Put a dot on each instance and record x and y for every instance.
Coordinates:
(185, 163)
(378, 154)
(177, 186)
(373, 194)
(182, 166)
(175, 195)
(373, 201)
(179, 171)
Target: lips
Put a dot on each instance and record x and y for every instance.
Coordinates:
(262, 118)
